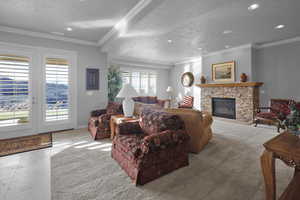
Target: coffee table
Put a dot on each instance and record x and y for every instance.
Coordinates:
(115, 120)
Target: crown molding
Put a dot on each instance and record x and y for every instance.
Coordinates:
(128, 17)
(46, 36)
(199, 58)
(280, 42)
(137, 62)
(228, 50)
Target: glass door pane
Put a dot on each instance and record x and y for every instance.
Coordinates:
(15, 107)
(57, 90)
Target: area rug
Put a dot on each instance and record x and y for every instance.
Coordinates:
(25, 143)
(228, 168)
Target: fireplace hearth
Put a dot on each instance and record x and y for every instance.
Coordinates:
(224, 107)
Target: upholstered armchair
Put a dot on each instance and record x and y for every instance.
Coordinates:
(155, 146)
(275, 114)
(99, 121)
(187, 102)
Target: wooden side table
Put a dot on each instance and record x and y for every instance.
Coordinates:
(285, 147)
(118, 119)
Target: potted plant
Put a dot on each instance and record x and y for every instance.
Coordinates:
(114, 82)
(292, 121)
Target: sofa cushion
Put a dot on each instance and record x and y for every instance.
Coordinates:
(267, 115)
(154, 121)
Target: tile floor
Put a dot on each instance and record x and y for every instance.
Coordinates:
(25, 176)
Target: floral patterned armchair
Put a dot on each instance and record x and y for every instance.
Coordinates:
(273, 115)
(155, 146)
(99, 121)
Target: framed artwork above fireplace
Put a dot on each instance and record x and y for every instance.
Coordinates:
(223, 72)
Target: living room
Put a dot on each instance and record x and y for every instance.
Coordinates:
(149, 99)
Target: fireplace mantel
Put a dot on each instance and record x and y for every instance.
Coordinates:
(245, 84)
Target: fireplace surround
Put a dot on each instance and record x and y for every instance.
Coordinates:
(246, 97)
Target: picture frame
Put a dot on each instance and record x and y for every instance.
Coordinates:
(187, 79)
(92, 79)
(223, 72)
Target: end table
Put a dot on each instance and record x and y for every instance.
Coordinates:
(285, 147)
(115, 120)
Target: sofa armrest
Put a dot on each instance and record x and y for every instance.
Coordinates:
(105, 118)
(97, 113)
(127, 128)
(163, 140)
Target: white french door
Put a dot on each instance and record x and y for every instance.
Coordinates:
(37, 90)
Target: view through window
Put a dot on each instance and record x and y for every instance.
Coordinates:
(143, 82)
(57, 89)
(14, 90)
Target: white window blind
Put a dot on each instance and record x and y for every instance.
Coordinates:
(143, 82)
(14, 90)
(57, 89)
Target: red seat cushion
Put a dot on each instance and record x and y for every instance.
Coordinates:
(267, 115)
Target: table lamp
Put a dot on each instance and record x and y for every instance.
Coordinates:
(127, 92)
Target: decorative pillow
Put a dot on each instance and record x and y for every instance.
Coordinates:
(188, 101)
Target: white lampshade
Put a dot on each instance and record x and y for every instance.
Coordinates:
(169, 89)
(127, 91)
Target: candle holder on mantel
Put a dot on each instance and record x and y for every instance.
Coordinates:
(203, 79)
(244, 77)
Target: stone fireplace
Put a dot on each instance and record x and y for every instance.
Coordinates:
(244, 96)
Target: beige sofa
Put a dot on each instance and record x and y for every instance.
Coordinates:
(198, 126)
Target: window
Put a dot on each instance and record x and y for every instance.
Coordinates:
(57, 89)
(14, 93)
(143, 82)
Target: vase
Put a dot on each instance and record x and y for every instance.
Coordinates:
(244, 77)
(203, 80)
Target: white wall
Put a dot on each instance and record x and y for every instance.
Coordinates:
(279, 68)
(86, 56)
(179, 90)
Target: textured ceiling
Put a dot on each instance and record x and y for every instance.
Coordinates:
(191, 24)
(90, 19)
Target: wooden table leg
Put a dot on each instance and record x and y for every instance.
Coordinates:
(268, 169)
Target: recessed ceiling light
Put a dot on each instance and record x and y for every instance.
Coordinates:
(227, 46)
(69, 29)
(227, 31)
(253, 6)
(280, 26)
(199, 48)
(170, 41)
(57, 33)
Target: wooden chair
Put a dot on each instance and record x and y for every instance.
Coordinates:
(274, 114)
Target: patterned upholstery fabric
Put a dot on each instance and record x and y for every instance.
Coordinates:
(275, 114)
(187, 102)
(150, 100)
(267, 115)
(146, 155)
(98, 124)
(153, 121)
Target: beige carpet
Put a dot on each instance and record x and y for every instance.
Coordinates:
(228, 168)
